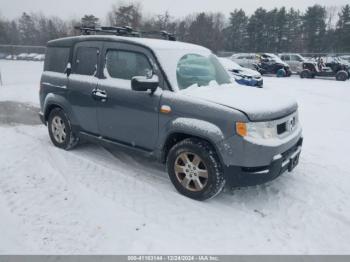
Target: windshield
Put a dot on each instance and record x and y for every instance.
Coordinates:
(195, 69)
(275, 58)
(188, 65)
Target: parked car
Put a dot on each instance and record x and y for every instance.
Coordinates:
(31, 56)
(271, 64)
(326, 67)
(241, 75)
(247, 60)
(334, 61)
(295, 61)
(11, 57)
(40, 57)
(345, 57)
(172, 101)
(22, 56)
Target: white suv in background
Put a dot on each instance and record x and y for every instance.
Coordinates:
(245, 59)
(295, 61)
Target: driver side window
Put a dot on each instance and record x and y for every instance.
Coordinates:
(126, 64)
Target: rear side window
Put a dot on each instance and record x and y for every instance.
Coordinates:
(296, 58)
(125, 65)
(56, 59)
(285, 58)
(86, 61)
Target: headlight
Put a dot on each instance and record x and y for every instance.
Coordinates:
(268, 130)
(264, 130)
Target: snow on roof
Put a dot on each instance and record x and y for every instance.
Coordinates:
(155, 44)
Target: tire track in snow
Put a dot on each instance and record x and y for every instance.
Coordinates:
(36, 194)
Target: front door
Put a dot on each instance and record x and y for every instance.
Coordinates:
(128, 116)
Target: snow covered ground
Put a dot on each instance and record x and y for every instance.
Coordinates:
(94, 200)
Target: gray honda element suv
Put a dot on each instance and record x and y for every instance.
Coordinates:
(172, 101)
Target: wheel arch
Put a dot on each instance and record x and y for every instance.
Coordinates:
(53, 101)
(182, 129)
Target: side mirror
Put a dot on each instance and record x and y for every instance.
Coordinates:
(143, 84)
(68, 69)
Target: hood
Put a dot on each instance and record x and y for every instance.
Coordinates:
(257, 104)
(250, 72)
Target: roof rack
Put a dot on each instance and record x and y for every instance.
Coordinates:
(124, 31)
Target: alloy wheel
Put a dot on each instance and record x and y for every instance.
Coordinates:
(191, 171)
(58, 129)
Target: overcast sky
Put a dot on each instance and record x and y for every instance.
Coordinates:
(177, 8)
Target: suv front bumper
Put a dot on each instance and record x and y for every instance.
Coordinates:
(251, 176)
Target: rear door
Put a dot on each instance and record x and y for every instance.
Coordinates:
(289, 60)
(54, 79)
(82, 83)
(128, 116)
(296, 63)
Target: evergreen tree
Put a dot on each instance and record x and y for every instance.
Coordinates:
(314, 28)
(293, 34)
(28, 32)
(257, 31)
(89, 21)
(206, 30)
(236, 33)
(126, 15)
(343, 29)
(281, 30)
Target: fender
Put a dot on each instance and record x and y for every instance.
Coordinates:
(58, 100)
(196, 127)
(191, 127)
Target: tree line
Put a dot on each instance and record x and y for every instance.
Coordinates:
(316, 29)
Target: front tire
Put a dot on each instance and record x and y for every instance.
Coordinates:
(195, 170)
(305, 74)
(342, 76)
(60, 130)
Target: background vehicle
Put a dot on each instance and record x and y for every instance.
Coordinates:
(243, 76)
(40, 57)
(22, 56)
(11, 57)
(271, 64)
(247, 60)
(182, 110)
(333, 67)
(31, 56)
(345, 57)
(295, 61)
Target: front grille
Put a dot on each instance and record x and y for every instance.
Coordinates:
(281, 128)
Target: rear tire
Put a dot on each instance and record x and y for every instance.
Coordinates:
(60, 130)
(342, 75)
(195, 170)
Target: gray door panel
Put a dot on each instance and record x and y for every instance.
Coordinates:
(128, 116)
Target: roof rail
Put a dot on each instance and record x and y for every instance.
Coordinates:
(124, 31)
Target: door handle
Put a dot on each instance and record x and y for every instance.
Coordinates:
(99, 94)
